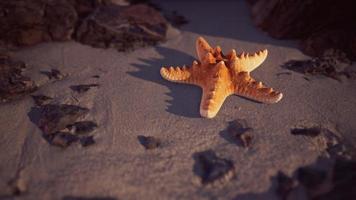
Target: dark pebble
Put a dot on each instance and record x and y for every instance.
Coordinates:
(149, 142)
(210, 168)
(240, 133)
(311, 132)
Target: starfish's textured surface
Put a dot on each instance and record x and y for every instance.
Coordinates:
(222, 75)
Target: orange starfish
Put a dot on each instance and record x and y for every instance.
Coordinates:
(222, 75)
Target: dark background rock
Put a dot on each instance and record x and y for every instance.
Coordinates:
(26, 22)
(13, 84)
(319, 25)
(122, 27)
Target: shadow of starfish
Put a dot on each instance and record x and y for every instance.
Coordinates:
(185, 98)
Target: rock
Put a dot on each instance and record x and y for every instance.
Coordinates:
(149, 142)
(212, 169)
(122, 27)
(56, 117)
(13, 84)
(307, 131)
(63, 139)
(319, 25)
(41, 99)
(53, 74)
(83, 127)
(83, 88)
(333, 64)
(240, 133)
(31, 22)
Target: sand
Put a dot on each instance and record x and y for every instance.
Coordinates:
(134, 100)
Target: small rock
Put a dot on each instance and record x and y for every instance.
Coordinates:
(87, 141)
(149, 142)
(211, 169)
(13, 84)
(83, 127)
(41, 99)
(96, 76)
(311, 131)
(54, 74)
(83, 88)
(240, 132)
(63, 139)
(56, 117)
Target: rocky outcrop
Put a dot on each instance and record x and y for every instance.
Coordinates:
(320, 25)
(99, 23)
(122, 27)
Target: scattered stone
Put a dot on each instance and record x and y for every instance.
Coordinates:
(41, 99)
(332, 64)
(55, 117)
(87, 141)
(13, 85)
(307, 131)
(240, 133)
(83, 88)
(82, 127)
(122, 27)
(285, 185)
(149, 142)
(63, 139)
(211, 169)
(54, 74)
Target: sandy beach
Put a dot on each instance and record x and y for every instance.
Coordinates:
(133, 99)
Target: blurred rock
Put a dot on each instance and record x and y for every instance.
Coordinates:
(122, 27)
(13, 84)
(56, 117)
(320, 25)
(149, 142)
(211, 169)
(26, 22)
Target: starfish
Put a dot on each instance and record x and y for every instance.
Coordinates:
(222, 75)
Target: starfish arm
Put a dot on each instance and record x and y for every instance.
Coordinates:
(202, 48)
(188, 75)
(246, 62)
(215, 93)
(247, 87)
(212, 100)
